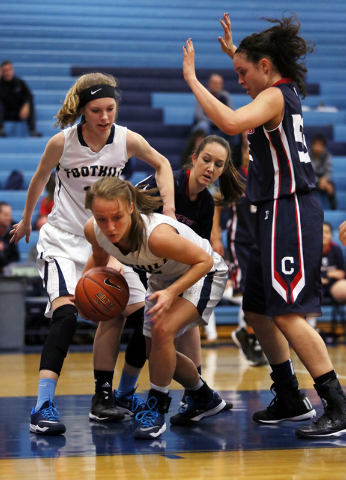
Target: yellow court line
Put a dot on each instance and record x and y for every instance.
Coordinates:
(304, 464)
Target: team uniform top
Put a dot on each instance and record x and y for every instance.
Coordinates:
(289, 168)
(332, 259)
(197, 215)
(241, 223)
(148, 262)
(79, 167)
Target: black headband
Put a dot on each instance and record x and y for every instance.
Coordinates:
(97, 91)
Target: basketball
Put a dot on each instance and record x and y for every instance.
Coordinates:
(101, 293)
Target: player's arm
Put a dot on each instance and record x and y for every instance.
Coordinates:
(216, 233)
(49, 161)
(99, 256)
(137, 146)
(266, 108)
(165, 242)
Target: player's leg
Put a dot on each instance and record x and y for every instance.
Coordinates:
(125, 397)
(289, 402)
(105, 352)
(195, 305)
(61, 259)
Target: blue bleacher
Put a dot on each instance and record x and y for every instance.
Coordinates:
(48, 49)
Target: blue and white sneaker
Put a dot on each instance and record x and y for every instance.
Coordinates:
(194, 411)
(129, 404)
(152, 419)
(46, 420)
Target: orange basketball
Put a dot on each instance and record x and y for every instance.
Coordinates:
(101, 293)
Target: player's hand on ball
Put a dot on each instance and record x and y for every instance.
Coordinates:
(189, 61)
(163, 304)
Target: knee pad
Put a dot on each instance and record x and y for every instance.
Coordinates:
(136, 349)
(61, 332)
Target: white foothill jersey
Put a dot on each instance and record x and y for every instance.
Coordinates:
(79, 167)
(166, 269)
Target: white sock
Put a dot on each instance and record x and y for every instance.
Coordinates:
(159, 389)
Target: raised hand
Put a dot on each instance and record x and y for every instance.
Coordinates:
(227, 42)
(189, 61)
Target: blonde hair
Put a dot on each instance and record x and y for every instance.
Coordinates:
(69, 112)
(113, 188)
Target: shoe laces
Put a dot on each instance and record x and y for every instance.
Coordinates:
(136, 402)
(148, 416)
(190, 404)
(51, 412)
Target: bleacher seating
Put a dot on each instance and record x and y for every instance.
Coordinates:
(145, 54)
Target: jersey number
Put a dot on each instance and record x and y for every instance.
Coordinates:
(300, 138)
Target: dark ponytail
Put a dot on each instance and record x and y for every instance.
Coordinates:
(283, 45)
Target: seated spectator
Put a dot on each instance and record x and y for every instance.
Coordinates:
(321, 161)
(16, 100)
(192, 144)
(333, 268)
(8, 251)
(202, 122)
(47, 202)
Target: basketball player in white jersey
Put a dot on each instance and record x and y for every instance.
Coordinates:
(186, 280)
(81, 154)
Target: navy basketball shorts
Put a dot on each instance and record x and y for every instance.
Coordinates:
(284, 270)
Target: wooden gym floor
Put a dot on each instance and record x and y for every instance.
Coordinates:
(229, 445)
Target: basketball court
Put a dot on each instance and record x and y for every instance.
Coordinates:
(229, 445)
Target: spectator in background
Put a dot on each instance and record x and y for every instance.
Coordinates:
(192, 144)
(202, 122)
(16, 100)
(332, 268)
(321, 160)
(47, 202)
(8, 251)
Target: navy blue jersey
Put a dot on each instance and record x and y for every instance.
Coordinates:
(197, 215)
(279, 161)
(242, 219)
(332, 259)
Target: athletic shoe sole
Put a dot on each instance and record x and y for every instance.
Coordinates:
(146, 435)
(53, 430)
(301, 434)
(298, 418)
(112, 419)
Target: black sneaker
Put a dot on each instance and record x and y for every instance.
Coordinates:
(152, 418)
(196, 410)
(333, 422)
(289, 403)
(129, 404)
(102, 408)
(183, 402)
(46, 420)
(257, 355)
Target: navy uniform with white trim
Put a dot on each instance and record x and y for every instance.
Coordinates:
(289, 218)
(240, 237)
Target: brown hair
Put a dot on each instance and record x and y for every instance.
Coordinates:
(112, 188)
(230, 186)
(69, 112)
(283, 46)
